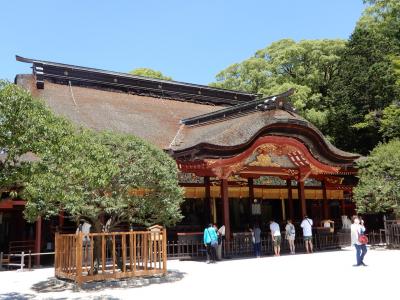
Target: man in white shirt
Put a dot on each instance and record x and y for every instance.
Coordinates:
(276, 237)
(306, 224)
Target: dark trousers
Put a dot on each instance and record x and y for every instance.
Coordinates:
(257, 249)
(211, 253)
(361, 250)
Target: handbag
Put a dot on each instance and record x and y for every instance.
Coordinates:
(362, 239)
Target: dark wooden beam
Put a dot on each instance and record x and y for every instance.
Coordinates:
(250, 183)
(225, 208)
(207, 200)
(302, 198)
(325, 204)
(290, 199)
(38, 240)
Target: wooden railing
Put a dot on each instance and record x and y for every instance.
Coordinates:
(243, 247)
(392, 228)
(101, 256)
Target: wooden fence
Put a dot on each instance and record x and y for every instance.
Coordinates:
(100, 256)
(392, 230)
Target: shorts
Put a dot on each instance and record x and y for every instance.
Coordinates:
(308, 238)
(290, 237)
(277, 240)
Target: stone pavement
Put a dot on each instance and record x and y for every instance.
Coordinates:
(323, 275)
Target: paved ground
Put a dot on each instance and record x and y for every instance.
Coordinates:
(325, 275)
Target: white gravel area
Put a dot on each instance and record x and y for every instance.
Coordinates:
(323, 275)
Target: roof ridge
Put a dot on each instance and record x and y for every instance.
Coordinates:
(122, 74)
(271, 102)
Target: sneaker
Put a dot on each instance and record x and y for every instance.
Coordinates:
(357, 265)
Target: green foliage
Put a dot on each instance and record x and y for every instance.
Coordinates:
(26, 127)
(378, 189)
(390, 123)
(146, 72)
(84, 173)
(382, 16)
(364, 86)
(110, 174)
(307, 66)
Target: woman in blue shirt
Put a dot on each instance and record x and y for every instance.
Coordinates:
(210, 239)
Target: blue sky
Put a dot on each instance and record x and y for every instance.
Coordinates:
(190, 41)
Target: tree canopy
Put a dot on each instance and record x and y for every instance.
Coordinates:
(378, 189)
(147, 72)
(308, 66)
(366, 83)
(84, 173)
(27, 130)
(110, 174)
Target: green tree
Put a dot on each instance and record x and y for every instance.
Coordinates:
(82, 172)
(147, 72)
(27, 129)
(365, 84)
(105, 174)
(390, 122)
(308, 66)
(382, 16)
(378, 189)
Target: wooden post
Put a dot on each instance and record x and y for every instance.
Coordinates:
(60, 220)
(207, 200)
(302, 198)
(290, 199)
(343, 207)
(56, 254)
(164, 250)
(78, 277)
(225, 204)
(123, 237)
(283, 208)
(38, 240)
(145, 249)
(250, 183)
(325, 203)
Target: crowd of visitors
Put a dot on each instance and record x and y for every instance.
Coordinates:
(214, 236)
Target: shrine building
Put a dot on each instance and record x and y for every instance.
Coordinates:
(242, 157)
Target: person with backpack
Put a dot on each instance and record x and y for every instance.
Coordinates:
(290, 235)
(307, 224)
(210, 239)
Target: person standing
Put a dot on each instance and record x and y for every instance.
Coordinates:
(307, 224)
(256, 239)
(356, 229)
(290, 235)
(219, 247)
(210, 239)
(221, 234)
(276, 237)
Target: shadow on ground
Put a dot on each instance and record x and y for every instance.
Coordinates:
(16, 296)
(19, 296)
(57, 285)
